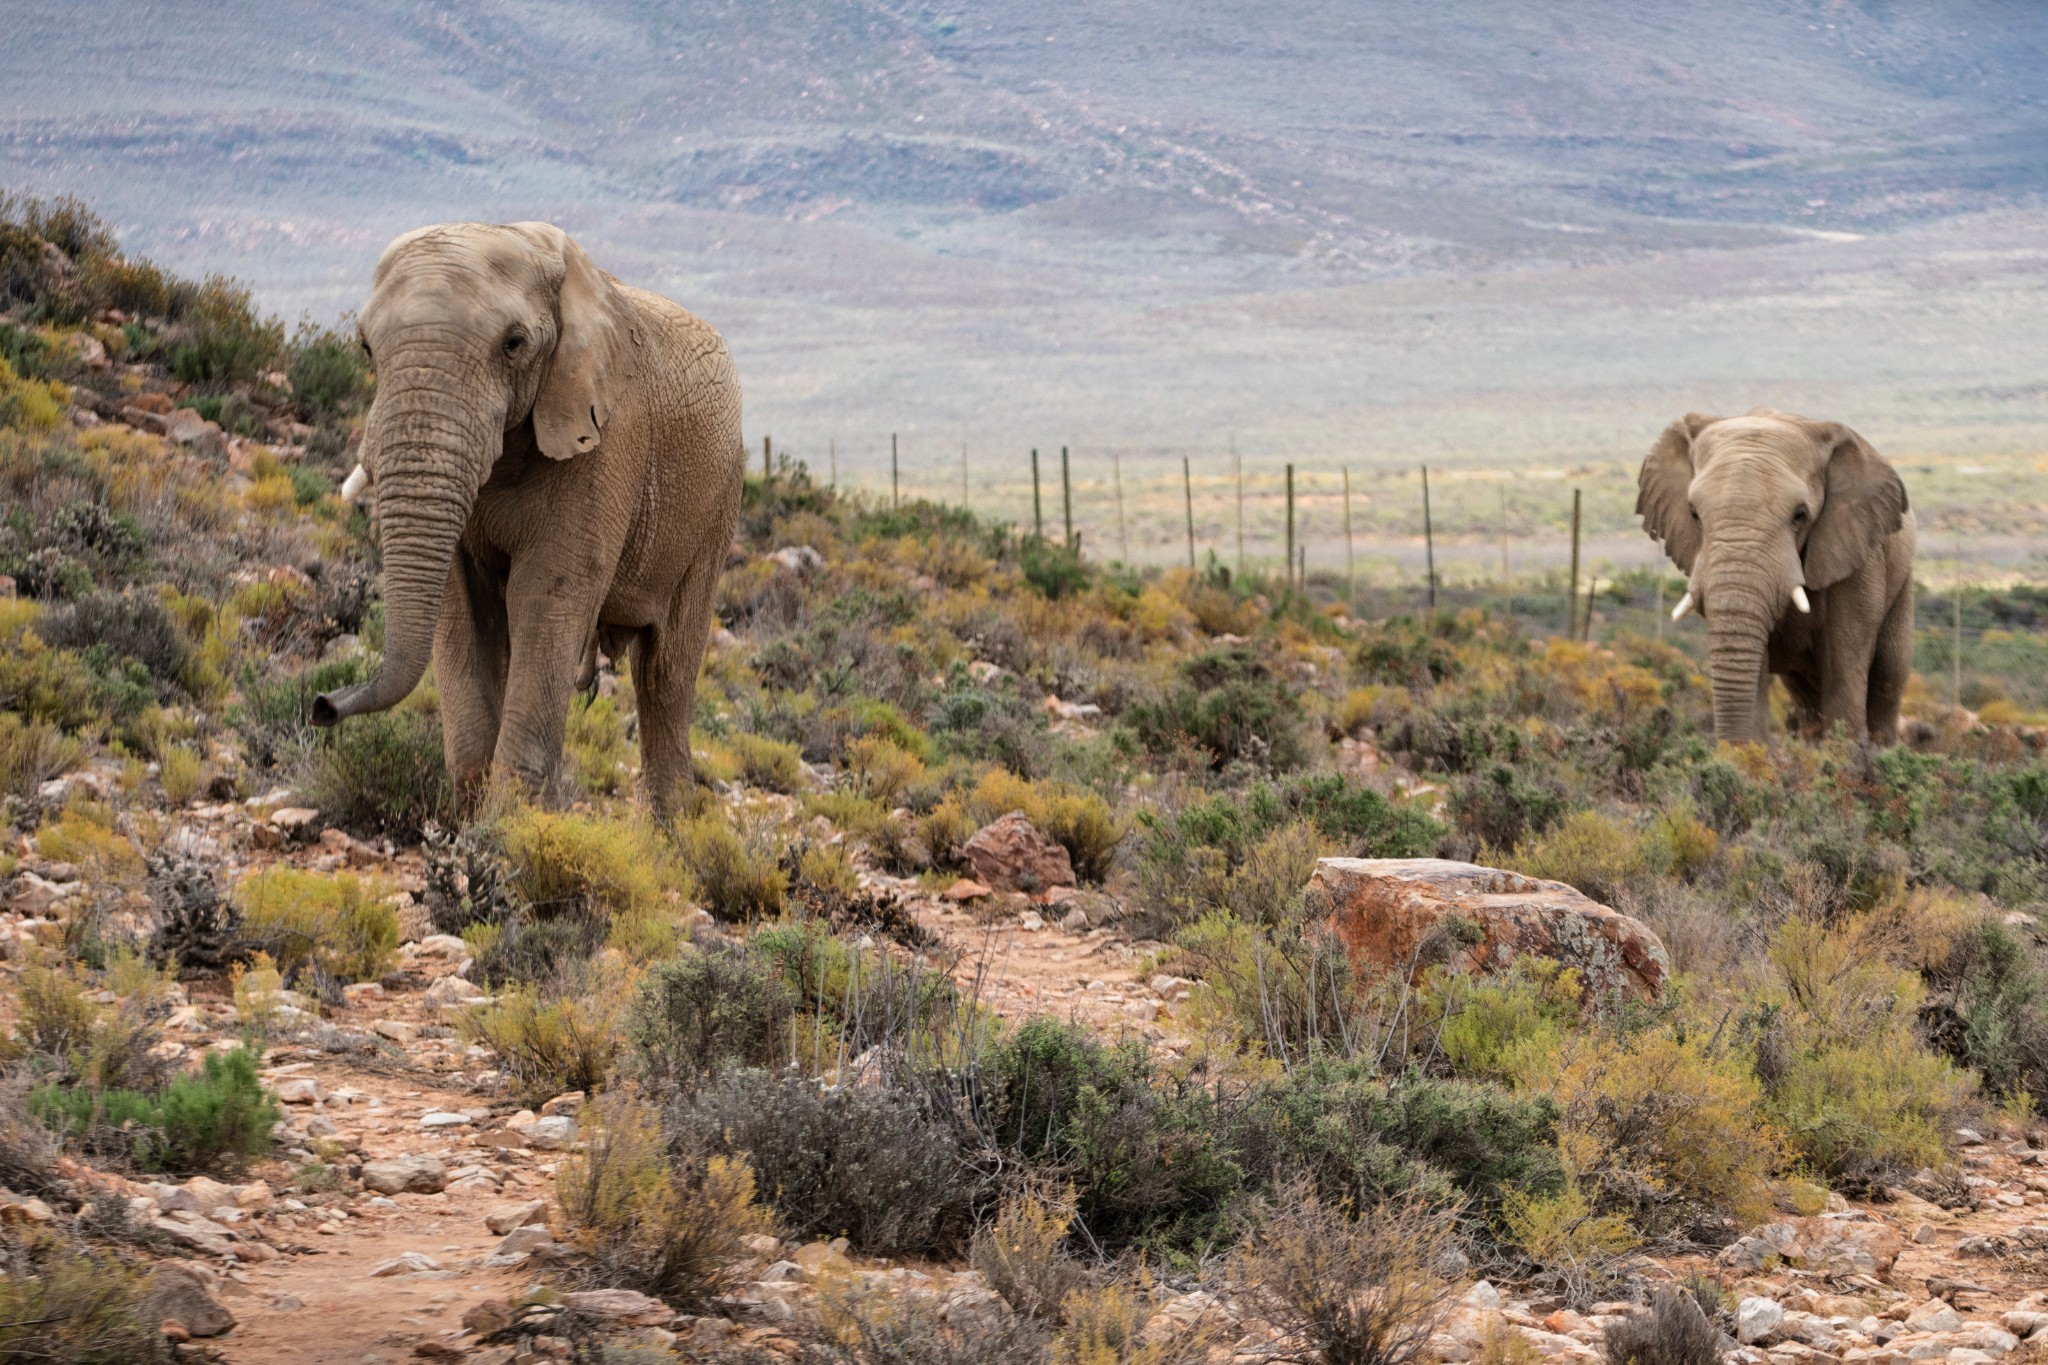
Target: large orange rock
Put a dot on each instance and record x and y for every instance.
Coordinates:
(1393, 914)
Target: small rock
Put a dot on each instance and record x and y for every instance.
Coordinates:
(551, 1134)
(406, 1175)
(800, 560)
(299, 1090)
(569, 1102)
(432, 1348)
(966, 889)
(360, 992)
(452, 990)
(503, 1218)
(1012, 854)
(397, 1030)
(519, 1244)
(1482, 1296)
(1935, 1315)
(621, 1307)
(406, 1263)
(1969, 1137)
(1757, 1318)
(488, 1317)
(2024, 1321)
(177, 1293)
(443, 1118)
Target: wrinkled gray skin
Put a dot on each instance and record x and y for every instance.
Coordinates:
(557, 461)
(1755, 506)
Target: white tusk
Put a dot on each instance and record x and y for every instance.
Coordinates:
(1799, 600)
(358, 478)
(1684, 606)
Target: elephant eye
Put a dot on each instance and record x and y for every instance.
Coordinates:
(1695, 512)
(514, 339)
(1799, 516)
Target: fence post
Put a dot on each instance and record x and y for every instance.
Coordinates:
(1428, 540)
(1290, 523)
(1037, 505)
(1571, 597)
(834, 448)
(1187, 491)
(1123, 541)
(895, 476)
(1238, 461)
(1956, 650)
(1067, 496)
(1350, 554)
(767, 469)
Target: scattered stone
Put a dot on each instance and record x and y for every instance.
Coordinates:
(551, 1134)
(360, 992)
(443, 1118)
(299, 1090)
(1935, 1315)
(1482, 1296)
(178, 1293)
(397, 1030)
(488, 1317)
(1828, 1245)
(406, 1175)
(432, 1348)
(620, 1308)
(519, 1244)
(503, 1218)
(405, 1263)
(1011, 854)
(569, 1102)
(967, 889)
(190, 1230)
(800, 560)
(1969, 1137)
(453, 990)
(1385, 909)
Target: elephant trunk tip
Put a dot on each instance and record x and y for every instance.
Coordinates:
(327, 710)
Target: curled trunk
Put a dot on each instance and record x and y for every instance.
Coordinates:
(1736, 645)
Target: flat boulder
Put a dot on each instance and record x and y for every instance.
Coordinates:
(1404, 913)
(1012, 854)
(176, 1292)
(1829, 1244)
(406, 1175)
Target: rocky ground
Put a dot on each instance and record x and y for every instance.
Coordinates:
(431, 1235)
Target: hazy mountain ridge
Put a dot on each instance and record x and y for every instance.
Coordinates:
(1026, 205)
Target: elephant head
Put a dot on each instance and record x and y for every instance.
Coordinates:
(1760, 511)
(475, 331)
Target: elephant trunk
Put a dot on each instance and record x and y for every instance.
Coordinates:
(429, 461)
(1740, 618)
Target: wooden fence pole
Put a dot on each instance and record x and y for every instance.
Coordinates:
(1571, 597)
(1956, 649)
(834, 448)
(1037, 504)
(1123, 541)
(1428, 540)
(1187, 493)
(767, 468)
(1350, 552)
(1238, 460)
(1290, 523)
(1067, 496)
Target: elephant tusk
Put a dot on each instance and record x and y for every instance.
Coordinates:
(1684, 605)
(358, 478)
(1799, 601)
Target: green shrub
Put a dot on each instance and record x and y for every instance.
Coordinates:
(336, 924)
(1504, 806)
(382, 774)
(707, 1010)
(226, 343)
(1053, 570)
(329, 374)
(31, 753)
(654, 1217)
(740, 875)
(1993, 1012)
(1228, 706)
(547, 1045)
(126, 628)
(198, 1122)
(1593, 852)
(878, 1164)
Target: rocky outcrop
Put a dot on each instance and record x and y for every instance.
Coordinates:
(1831, 1244)
(1012, 854)
(1401, 914)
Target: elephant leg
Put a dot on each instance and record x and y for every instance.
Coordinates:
(471, 649)
(666, 657)
(1890, 669)
(550, 616)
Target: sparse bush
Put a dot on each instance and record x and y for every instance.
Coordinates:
(740, 874)
(1590, 851)
(1359, 1288)
(549, 1044)
(1673, 1331)
(707, 1010)
(595, 746)
(860, 1325)
(31, 753)
(1021, 1252)
(1228, 706)
(878, 1164)
(1503, 806)
(337, 925)
(653, 1217)
(63, 1301)
(329, 374)
(768, 763)
(382, 774)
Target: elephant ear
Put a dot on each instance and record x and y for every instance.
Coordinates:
(576, 391)
(1865, 503)
(1662, 486)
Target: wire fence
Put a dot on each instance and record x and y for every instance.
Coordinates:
(1558, 549)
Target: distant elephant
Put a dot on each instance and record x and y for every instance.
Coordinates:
(556, 459)
(1798, 541)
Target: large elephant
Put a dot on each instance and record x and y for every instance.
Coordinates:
(556, 460)
(1798, 541)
